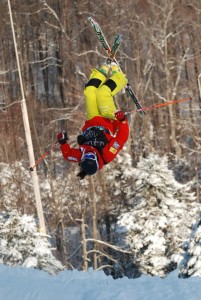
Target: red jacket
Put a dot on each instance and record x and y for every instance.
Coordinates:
(110, 151)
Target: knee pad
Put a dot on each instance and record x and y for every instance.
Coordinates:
(96, 79)
(111, 84)
(116, 83)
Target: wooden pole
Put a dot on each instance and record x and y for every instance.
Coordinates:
(84, 245)
(28, 135)
(94, 223)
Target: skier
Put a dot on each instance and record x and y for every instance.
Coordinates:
(106, 130)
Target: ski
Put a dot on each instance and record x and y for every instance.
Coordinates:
(117, 41)
(131, 94)
(111, 54)
(115, 46)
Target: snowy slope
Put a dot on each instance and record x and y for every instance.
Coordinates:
(29, 284)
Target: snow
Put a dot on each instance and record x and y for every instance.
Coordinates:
(155, 228)
(29, 284)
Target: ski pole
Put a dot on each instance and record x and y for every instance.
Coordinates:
(43, 156)
(159, 105)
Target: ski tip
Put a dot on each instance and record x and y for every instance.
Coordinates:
(91, 19)
(119, 36)
(118, 39)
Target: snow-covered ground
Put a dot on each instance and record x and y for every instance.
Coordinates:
(28, 284)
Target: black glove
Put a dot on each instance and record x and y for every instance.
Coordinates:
(80, 139)
(119, 115)
(82, 174)
(62, 137)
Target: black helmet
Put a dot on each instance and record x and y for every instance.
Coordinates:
(88, 164)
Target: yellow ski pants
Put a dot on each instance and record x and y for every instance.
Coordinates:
(99, 93)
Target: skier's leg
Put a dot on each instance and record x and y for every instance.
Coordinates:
(106, 92)
(97, 78)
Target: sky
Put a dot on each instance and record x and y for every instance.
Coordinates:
(18, 283)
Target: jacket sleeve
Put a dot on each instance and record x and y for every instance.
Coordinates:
(116, 143)
(123, 132)
(71, 154)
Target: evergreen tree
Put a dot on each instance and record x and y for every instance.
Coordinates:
(157, 225)
(21, 244)
(120, 178)
(190, 261)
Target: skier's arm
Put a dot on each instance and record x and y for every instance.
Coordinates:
(71, 154)
(123, 132)
(123, 128)
(116, 143)
(121, 137)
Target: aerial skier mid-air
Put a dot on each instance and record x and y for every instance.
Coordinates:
(106, 129)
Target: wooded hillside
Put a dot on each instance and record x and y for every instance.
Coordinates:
(161, 55)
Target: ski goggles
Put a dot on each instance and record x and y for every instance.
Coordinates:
(92, 156)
